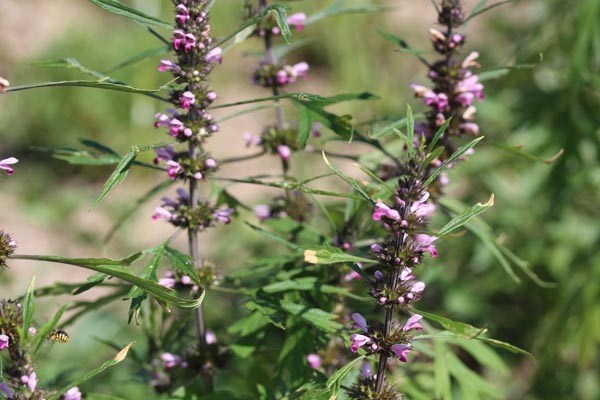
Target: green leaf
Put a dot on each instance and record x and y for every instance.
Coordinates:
(465, 216)
(28, 308)
(117, 268)
(113, 361)
(438, 134)
(332, 255)
(470, 380)
(404, 46)
(386, 130)
(462, 150)
(335, 381)
(350, 181)
(477, 10)
(467, 331)
(119, 174)
(318, 318)
(117, 8)
(441, 372)
(281, 20)
(276, 8)
(91, 84)
(45, 329)
(182, 262)
(410, 128)
(136, 294)
(309, 283)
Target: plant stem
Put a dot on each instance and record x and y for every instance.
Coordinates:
(195, 253)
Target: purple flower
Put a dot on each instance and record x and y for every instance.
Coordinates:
(284, 152)
(297, 20)
(215, 55)
(359, 322)
(170, 360)
(30, 380)
(183, 15)
(365, 370)
(166, 153)
(358, 341)
(376, 248)
(378, 275)
(314, 361)
(4, 340)
(413, 323)
(162, 120)
(401, 351)
(167, 65)
(382, 210)
(175, 127)
(425, 243)
(223, 214)
(5, 164)
(8, 392)
(187, 99)
(72, 394)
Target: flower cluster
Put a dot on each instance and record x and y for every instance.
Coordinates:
(7, 247)
(274, 75)
(179, 165)
(455, 86)
(296, 206)
(203, 215)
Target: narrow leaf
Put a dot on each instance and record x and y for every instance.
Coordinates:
(119, 174)
(117, 8)
(465, 216)
(462, 150)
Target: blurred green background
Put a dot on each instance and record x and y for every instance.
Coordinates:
(547, 213)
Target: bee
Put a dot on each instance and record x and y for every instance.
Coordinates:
(59, 336)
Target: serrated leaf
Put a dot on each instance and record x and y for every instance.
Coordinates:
(117, 8)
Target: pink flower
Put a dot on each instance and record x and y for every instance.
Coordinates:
(167, 65)
(211, 96)
(30, 380)
(425, 243)
(284, 152)
(72, 394)
(4, 340)
(297, 20)
(359, 322)
(3, 84)
(161, 120)
(5, 164)
(314, 361)
(215, 55)
(406, 275)
(211, 338)
(173, 169)
(351, 276)
(186, 280)
(175, 127)
(166, 153)
(468, 127)
(401, 351)
(413, 323)
(382, 210)
(187, 99)
(160, 212)
(440, 100)
(170, 360)
(300, 70)
(358, 341)
(32, 330)
(183, 15)
(251, 140)
(262, 211)
(223, 214)
(167, 282)
(210, 163)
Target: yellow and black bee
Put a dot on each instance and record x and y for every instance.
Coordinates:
(59, 336)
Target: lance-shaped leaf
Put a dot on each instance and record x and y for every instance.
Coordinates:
(312, 109)
(462, 150)
(350, 181)
(119, 174)
(28, 308)
(117, 268)
(465, 216)
(332, 255)
(117, 8)
(121, 355)
(335, 381)
(467, 331)
(82, 83)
